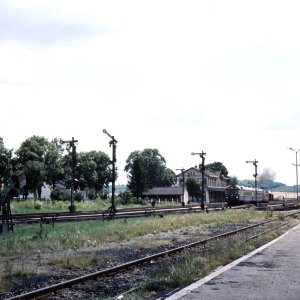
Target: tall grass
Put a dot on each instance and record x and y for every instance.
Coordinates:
(29, 206)
(93, 233)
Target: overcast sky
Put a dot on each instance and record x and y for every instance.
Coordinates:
(179, 76)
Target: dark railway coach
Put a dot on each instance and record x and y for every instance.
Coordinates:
(235, 194)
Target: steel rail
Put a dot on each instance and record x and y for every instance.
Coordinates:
(127, 213)
(95, 215)
(117, 269)
(65, 213)
(267, 231)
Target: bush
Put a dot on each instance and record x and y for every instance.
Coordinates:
(125, 197)
(78, 196)
(59, 194)
(139, 201)
(37, 205)
(92, 194)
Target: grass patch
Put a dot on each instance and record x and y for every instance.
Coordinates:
(41, 206)
(71, 262)
(11, 270)
(150, 243)
(33, 206)
(194, 267)
(45, 238)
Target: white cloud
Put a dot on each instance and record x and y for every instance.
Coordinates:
(179, 76)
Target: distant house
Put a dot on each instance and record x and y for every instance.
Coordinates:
(173, 193)
(215, 183)
(46, 190)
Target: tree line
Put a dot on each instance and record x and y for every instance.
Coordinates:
(50, 162)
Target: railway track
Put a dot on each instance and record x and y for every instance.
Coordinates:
(43, 292)
(53, 217)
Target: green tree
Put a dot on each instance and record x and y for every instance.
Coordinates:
(31, 157)
(35, 177)
(136, 174)
(154, 165)
(33, 148)
(53, 163)
(193, 187)
(93, 170)
(125, 197)
(217, 167)
(147, 169)
(169, 177)
(5, 163)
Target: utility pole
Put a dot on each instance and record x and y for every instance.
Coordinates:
(183, 183)
(71, 145)
(112, 142)
(296, 165)
(254, 162)
(202, 168)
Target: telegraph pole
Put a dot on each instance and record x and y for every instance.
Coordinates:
(254, 162)
(202, 168)
(296, 165)
(112, 143)
(73, 166)
(183, 183)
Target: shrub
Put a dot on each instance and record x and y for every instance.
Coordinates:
(78, 196)
(125, 197)
(37, 205)
(92, 194)
(59, 194)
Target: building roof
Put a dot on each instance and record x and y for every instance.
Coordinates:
(164, 191)
(208, 173)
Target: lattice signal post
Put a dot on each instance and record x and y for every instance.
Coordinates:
(113, 144)
(254, 162)
(71, 145)
(296, 165)
(202, 168)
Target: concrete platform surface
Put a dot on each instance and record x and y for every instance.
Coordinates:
(271, 272)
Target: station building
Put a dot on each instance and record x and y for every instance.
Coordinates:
(214, 185)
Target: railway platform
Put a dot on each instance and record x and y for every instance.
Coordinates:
(271, 272)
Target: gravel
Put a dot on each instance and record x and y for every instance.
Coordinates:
(109, 254)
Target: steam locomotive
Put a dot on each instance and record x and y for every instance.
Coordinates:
(235, 195)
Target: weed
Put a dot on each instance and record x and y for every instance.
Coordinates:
(269, 213)
(74, 262)
(174, 239)
(11, 270)
(4, 283)
(281, 216)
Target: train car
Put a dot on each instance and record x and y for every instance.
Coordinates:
(236, 194)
